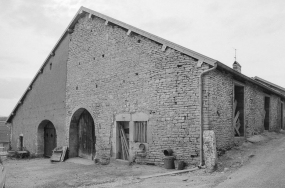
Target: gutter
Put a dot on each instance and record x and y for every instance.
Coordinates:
(201, 111)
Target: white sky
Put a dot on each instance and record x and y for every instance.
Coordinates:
(29, 29)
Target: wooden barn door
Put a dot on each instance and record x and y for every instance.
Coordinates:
(86, 136)
(49, 139)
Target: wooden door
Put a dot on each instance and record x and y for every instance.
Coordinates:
(49, 139)
(86, 136)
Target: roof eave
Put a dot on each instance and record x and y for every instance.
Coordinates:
(267, 82)
(80, 13)
(72, 23)
(225, 67)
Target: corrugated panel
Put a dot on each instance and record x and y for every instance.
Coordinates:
(3, 119)
(4, 137)
(4, 134)
(4, 128)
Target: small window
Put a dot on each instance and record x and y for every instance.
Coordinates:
(140, 130)
(50, 66)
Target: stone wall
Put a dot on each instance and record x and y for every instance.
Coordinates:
(218, 108)
(110, 73)
(254, 109)
(218, 104)
(274, 117)
(45, 101)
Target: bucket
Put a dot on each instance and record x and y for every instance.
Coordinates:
(180, 165)
(167, 152)
(169, 162)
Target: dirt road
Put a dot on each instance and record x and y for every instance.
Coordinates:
(41, 173)
(265, 170)
(259, 165)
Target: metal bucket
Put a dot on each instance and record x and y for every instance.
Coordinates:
(169, 162)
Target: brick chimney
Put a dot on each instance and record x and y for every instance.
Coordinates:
(237, 67)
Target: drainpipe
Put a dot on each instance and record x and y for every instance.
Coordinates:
(201, 112)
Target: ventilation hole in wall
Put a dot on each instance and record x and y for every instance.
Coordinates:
(137, 74)
(184, 117)
(179, 66)
(76, 87)
(79, 63)
(96, 85)
(139, 41)
(175, 103)
(123, 81)
(218, 113)
(93, 58)
(50, 66)
(103, 55)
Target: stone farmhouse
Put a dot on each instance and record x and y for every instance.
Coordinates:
(108, 89)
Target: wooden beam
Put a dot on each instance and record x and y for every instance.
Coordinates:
(129, 32)
(163, 47)
(199, 63)
(169, 173)
(235, 106)
(90, 16)
(238, 83)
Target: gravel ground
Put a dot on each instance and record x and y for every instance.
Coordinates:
(259, 163)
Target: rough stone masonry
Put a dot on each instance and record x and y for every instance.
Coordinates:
(110, 73)
(114, 74)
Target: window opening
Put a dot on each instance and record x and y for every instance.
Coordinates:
(140, 131)
(238, 119)
(50, 66)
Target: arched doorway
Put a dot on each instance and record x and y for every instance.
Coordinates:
(82, 135)
(46, 138)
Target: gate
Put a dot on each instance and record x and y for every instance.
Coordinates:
(86, 136)
(49, 139)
